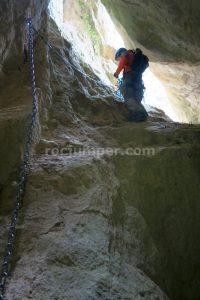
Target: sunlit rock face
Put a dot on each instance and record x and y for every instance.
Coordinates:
(93, 35)
(95, 39)
(182, 84)
(169, 33)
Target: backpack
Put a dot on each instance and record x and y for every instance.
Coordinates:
(140, 63)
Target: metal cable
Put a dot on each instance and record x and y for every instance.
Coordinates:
(55, 49)
(115, 94)
(23, 170)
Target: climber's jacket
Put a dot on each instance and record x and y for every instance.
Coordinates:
(125, 63)
(134, 61)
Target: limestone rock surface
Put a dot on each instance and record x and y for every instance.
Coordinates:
(96, 224)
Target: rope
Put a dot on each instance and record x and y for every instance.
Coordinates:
(118, 92)
(23, 170)
(55, 49)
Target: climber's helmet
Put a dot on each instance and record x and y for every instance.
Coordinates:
(120, 52)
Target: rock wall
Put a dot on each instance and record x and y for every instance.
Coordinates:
(13, 32)
(94, 225)
(15, 88)
(89, 28)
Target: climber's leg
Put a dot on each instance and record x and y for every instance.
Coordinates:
(132, 91)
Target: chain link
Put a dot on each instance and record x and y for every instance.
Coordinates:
(23, 169)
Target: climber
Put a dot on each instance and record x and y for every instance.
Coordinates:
(133, 63)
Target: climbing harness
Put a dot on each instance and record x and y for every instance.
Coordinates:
(23, 169)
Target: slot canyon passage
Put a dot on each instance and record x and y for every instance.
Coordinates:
(95, 225)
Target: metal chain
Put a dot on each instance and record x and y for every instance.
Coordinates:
(23, 169)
